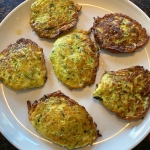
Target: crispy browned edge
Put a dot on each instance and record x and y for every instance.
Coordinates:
(145, 71)
(56, 94)
(118, 49)
(20, 43)
(43, 33)
(94, 49)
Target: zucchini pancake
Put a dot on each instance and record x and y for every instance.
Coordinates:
(125, 92)
(49, 18)
(119, 33)
(62, 121)
(75, 59)
(22, 65)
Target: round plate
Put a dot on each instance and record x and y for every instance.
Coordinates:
(116, 133)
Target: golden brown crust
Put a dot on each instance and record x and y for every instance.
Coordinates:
(125, 92)
(57, 94)
(49, 18)
(22, 65)
(62, 120)
(119, 33)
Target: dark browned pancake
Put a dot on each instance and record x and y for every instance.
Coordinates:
(119, 33)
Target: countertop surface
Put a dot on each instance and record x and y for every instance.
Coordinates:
(7, 5)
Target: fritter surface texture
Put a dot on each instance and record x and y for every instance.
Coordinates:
(125, 92)
(75, 59)
(49, 18)
(119, 33)
(22, 65)
(62, 120)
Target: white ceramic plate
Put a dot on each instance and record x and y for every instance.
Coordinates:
(116, 133)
